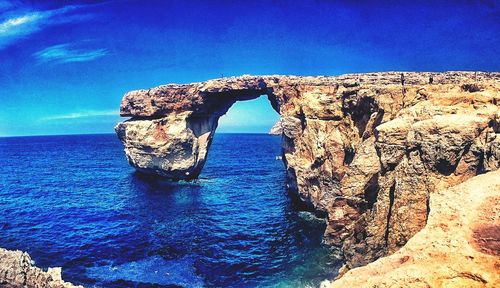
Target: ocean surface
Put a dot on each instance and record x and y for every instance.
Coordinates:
(74, 202)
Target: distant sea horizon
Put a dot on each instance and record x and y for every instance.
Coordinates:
(112, 133)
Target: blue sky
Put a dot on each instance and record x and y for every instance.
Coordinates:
(64, 65)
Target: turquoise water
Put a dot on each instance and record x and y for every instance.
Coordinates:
(74, 202)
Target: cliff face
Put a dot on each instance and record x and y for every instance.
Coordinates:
(365, 150)
(459, 246)
(277, 128)
(17, 270)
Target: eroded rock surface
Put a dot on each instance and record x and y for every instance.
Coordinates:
(17, 270)
(365, 150)
(277, 128)
(459, 246)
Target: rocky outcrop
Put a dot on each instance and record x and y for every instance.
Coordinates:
(277, 128)
(459, 246)
(364, 150)
(17, 270)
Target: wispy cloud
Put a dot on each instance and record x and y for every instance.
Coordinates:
(66, 53)
(20, 23)
(81, 114)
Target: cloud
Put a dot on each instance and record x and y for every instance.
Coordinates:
(81, 114)
(18, 24)
(65, 53)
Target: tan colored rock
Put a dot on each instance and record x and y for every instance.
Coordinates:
(440, 153)
(171, 146)
(277, 128)
(364, 150)
(17, 270)
(459, 246)
(391, 141)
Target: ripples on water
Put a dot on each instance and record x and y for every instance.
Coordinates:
(74, 202)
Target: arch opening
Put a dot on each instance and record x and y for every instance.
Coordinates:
(255, 218)
(254, 115)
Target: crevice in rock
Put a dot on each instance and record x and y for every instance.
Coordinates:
(480, 169)
(356, 106)
(471, 276)
(300, 202)
(138, 118)
(349, 154)
(389, 213)
(428, 207)
(302, 118)
(371, 191)
(368, 109)
(470, 87)
(287, 145)
(361, 123)
(318, 162)
(444, 167)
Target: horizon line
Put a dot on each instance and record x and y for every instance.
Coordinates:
(107, 133)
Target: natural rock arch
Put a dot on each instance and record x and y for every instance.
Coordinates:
(365, 149)
(177, 133)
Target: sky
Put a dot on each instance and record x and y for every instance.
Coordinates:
(65, 65)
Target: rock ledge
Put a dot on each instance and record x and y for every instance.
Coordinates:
(17, 270)
(459, 246)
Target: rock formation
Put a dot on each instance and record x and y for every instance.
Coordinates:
(277, 128)
(17, 270)
(364, 150)
(459, 246)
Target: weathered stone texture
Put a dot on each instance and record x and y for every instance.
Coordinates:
(277, 128)
(459, 246)
(17, 270)
(365, 150)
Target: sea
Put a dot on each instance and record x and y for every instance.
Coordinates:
(74, 202)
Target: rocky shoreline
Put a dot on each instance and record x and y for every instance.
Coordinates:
(18, 270)
(366, 151)
(403, 166)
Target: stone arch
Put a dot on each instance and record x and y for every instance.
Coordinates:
(169, 136)
(346, 141)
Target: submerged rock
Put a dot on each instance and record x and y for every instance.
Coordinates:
(311, 218)
(366, 150)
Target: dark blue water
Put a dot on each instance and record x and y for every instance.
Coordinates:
(74, 202)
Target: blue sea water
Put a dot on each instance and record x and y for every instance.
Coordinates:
(74, 202)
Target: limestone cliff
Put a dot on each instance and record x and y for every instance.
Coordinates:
(277, 128)
(17, 270)
(459, 246)
(365, 150)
